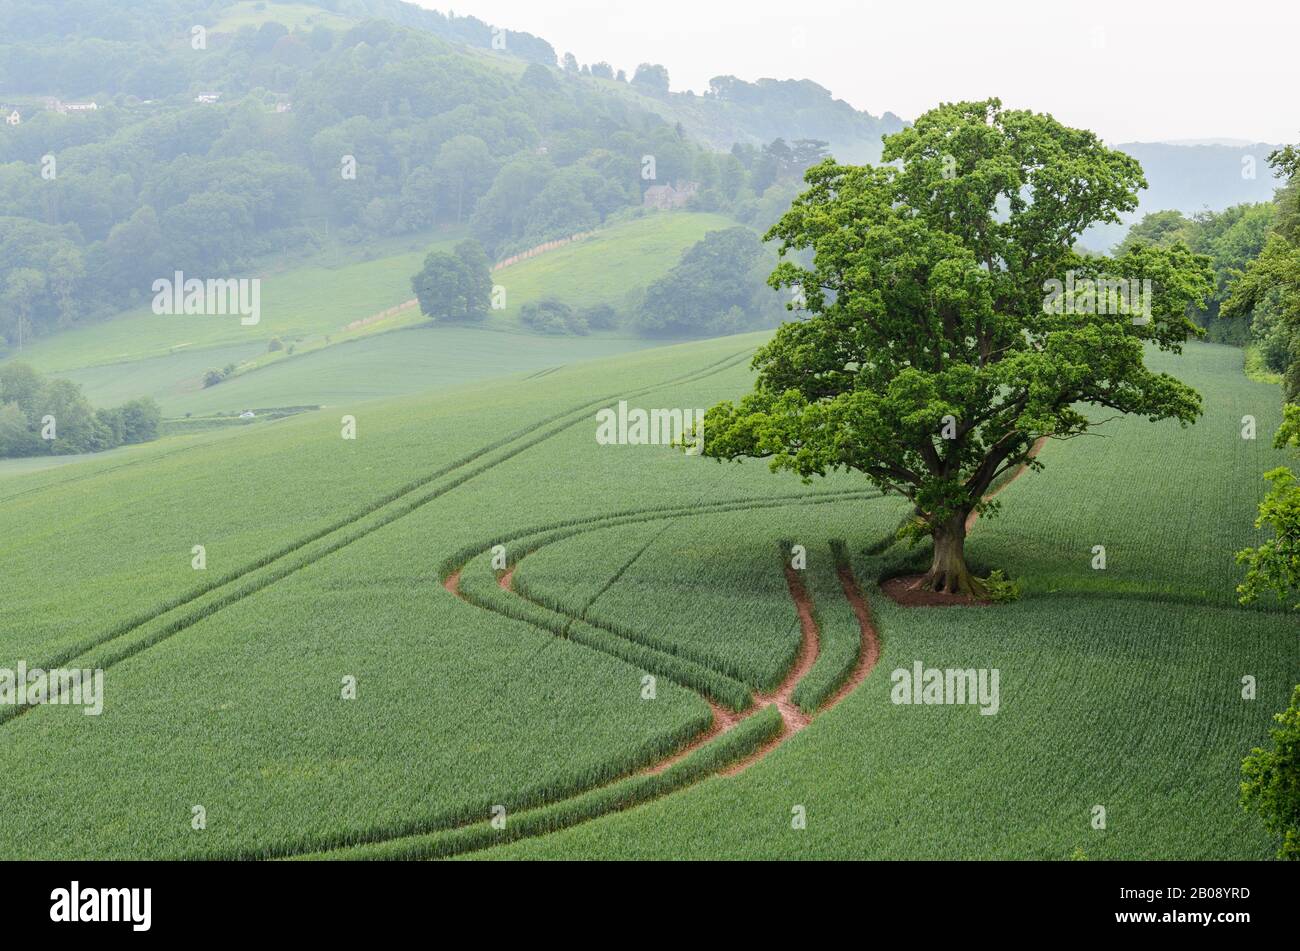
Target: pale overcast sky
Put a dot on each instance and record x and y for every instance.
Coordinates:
(1147, 70)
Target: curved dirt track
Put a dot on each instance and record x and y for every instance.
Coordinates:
(723, 720)
(793, 718)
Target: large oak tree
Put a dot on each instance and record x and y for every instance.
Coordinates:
(933, 355)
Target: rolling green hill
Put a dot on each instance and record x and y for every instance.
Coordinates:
(310, 307)
(602, 269)
(302, 304)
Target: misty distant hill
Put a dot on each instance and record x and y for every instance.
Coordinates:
(733, 110)
(1192, 178)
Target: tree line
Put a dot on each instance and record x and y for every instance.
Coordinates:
(44, 417)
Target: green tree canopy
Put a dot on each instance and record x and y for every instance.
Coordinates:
(456, 286)
(1272, 784)
(27, 400)
(552, 316)
(1271, 281)
(652, 76)
(1275, 565)
(931, 361)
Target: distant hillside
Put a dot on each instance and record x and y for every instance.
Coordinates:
(1192, 178)
(468, 30)
(733, 110)
(293, 128)
(34, 29)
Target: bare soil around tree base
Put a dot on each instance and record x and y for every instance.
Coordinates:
(907, 591)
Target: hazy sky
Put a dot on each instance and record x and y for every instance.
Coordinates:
(1128, 69)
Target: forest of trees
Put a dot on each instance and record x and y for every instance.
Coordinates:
(1269, 290)
(1251, 247)
(382, 130)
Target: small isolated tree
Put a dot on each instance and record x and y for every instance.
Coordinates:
(951, 323)
(1272, 784)
(455, 286)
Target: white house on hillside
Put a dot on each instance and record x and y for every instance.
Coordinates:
(14, 118)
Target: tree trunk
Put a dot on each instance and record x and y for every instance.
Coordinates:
(948, 572)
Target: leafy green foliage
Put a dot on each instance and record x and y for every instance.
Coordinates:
(599, 316)
(1231, 238)
(652, 77)
(1275, 565)
(27, 402)
(928, 313)
(1272, 784)
(999, 589)
(550, 315)
(717, 288)
(1269, 287)
(456, 286)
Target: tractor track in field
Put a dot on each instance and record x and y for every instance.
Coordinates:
(723, 720)
(270, 569)
(560, 531)
(793, 719)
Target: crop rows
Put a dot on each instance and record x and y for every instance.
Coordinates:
(743, 740)
(143, 630)
(1120, 688)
